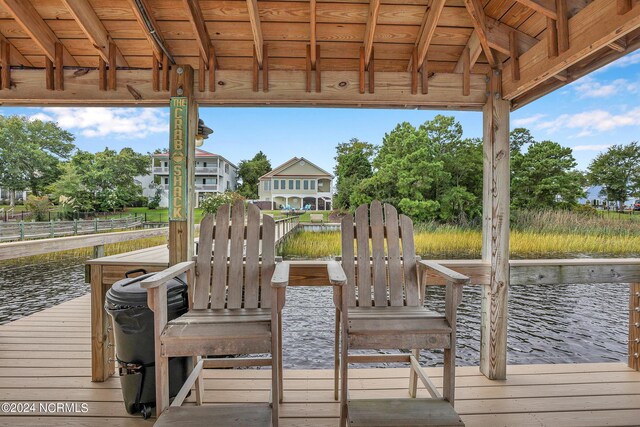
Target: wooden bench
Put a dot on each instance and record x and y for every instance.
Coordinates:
(316, 218)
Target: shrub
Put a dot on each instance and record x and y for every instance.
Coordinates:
(211, 203)
(38, 206)
(154, 202)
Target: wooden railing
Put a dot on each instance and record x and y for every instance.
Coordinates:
(97, 241)
(286, 226)
(10, 231)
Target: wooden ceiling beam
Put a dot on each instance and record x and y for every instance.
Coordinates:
(498, 37)
(545, 7)
(32, 23)
(91, 25)
(593, 28)
(157, 50)
(370, 30)
(428, 28)
(16, 56)
(474, 7)
(312, 33)
(286, 88)
(199, 28)
(474, 53)
(258, 40)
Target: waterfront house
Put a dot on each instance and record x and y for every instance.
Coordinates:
(299, 184)
(213, 174)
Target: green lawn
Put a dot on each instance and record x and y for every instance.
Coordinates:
(626, 215)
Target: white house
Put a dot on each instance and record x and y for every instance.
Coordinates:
(297, 183)
(213, 174)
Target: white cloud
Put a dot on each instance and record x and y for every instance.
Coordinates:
(593, 147)
(526, 121)
(588, 122)
(129, 123)
(590, 88)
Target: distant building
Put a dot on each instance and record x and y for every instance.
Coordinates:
(598, 201)
(5, 195)
(213, 174)
(297, 183)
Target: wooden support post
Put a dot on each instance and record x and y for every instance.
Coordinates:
(424, 73)
(5, 52)
(308, 69)
(166, 68)
(59, 73)
(265, 68)
(634, 326)
(495, 232)
(212, 69)
(155, 73)
(318, 71)
(102, 74)
(466, 71)
(414, 72)
(183, 128)
(48, 74)
(552, 38)
(202, 75)
(371, 71)
(362, 66)
(624, 6)
(563, 25)
(113, 66)
(256, 71)
(515, 55)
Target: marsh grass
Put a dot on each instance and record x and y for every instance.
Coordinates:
(533, 235)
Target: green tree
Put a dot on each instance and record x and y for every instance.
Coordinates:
(618, 171)
(70, 186)
(545, 177)
(105, 180)
(38, 206)
(31, 151)
(250, 171)
(353, 164)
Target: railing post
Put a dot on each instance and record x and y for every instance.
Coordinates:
(75, 227)
(95, 225)
(634, 326)
(21, 230)
(52, 232)
(98, 251)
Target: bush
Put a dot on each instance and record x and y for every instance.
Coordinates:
(154, 202)
(420, 211)
(38, 206)
(211, 204)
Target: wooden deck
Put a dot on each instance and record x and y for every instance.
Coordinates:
(46, 357)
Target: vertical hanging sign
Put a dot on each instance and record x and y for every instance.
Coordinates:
(178, 179)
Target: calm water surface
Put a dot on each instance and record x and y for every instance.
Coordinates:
(547, 324)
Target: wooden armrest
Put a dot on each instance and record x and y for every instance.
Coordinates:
(280, 278)
(337, 277)
(165, 275)
(446, 273)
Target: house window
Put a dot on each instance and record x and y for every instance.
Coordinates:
(226, 168)
(166, 181)
(204, 164)
(267, 186)
(306, 184)
(283, 185)
(297, 184)
(166, 164)
(313, 185)
(290, 184)
(276, 185)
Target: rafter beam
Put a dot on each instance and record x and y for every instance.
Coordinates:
(474, 53)
(27, 17)
(369, 33)
(545, 7)
(157, 50)
(591, 29)
(498, 37)
(199, 28)
(16, 56)
(254, 17)
(428, 28)
(474, 7)
(92, 27)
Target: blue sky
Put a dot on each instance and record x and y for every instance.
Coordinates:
(588, 115)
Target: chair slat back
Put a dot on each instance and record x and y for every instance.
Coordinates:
(385, 274)
(232, 273)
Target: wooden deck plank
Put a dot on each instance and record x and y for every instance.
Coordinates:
(45, 357)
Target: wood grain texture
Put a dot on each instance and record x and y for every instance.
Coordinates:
(369, 33)
(219, 275)
(235, 282)
(396, 284)
(363, 266)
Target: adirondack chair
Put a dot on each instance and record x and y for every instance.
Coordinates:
(379, 305)
(236, 295)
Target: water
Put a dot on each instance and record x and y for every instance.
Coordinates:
(547, 324)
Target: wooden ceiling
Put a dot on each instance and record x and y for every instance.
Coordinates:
(338, 52)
